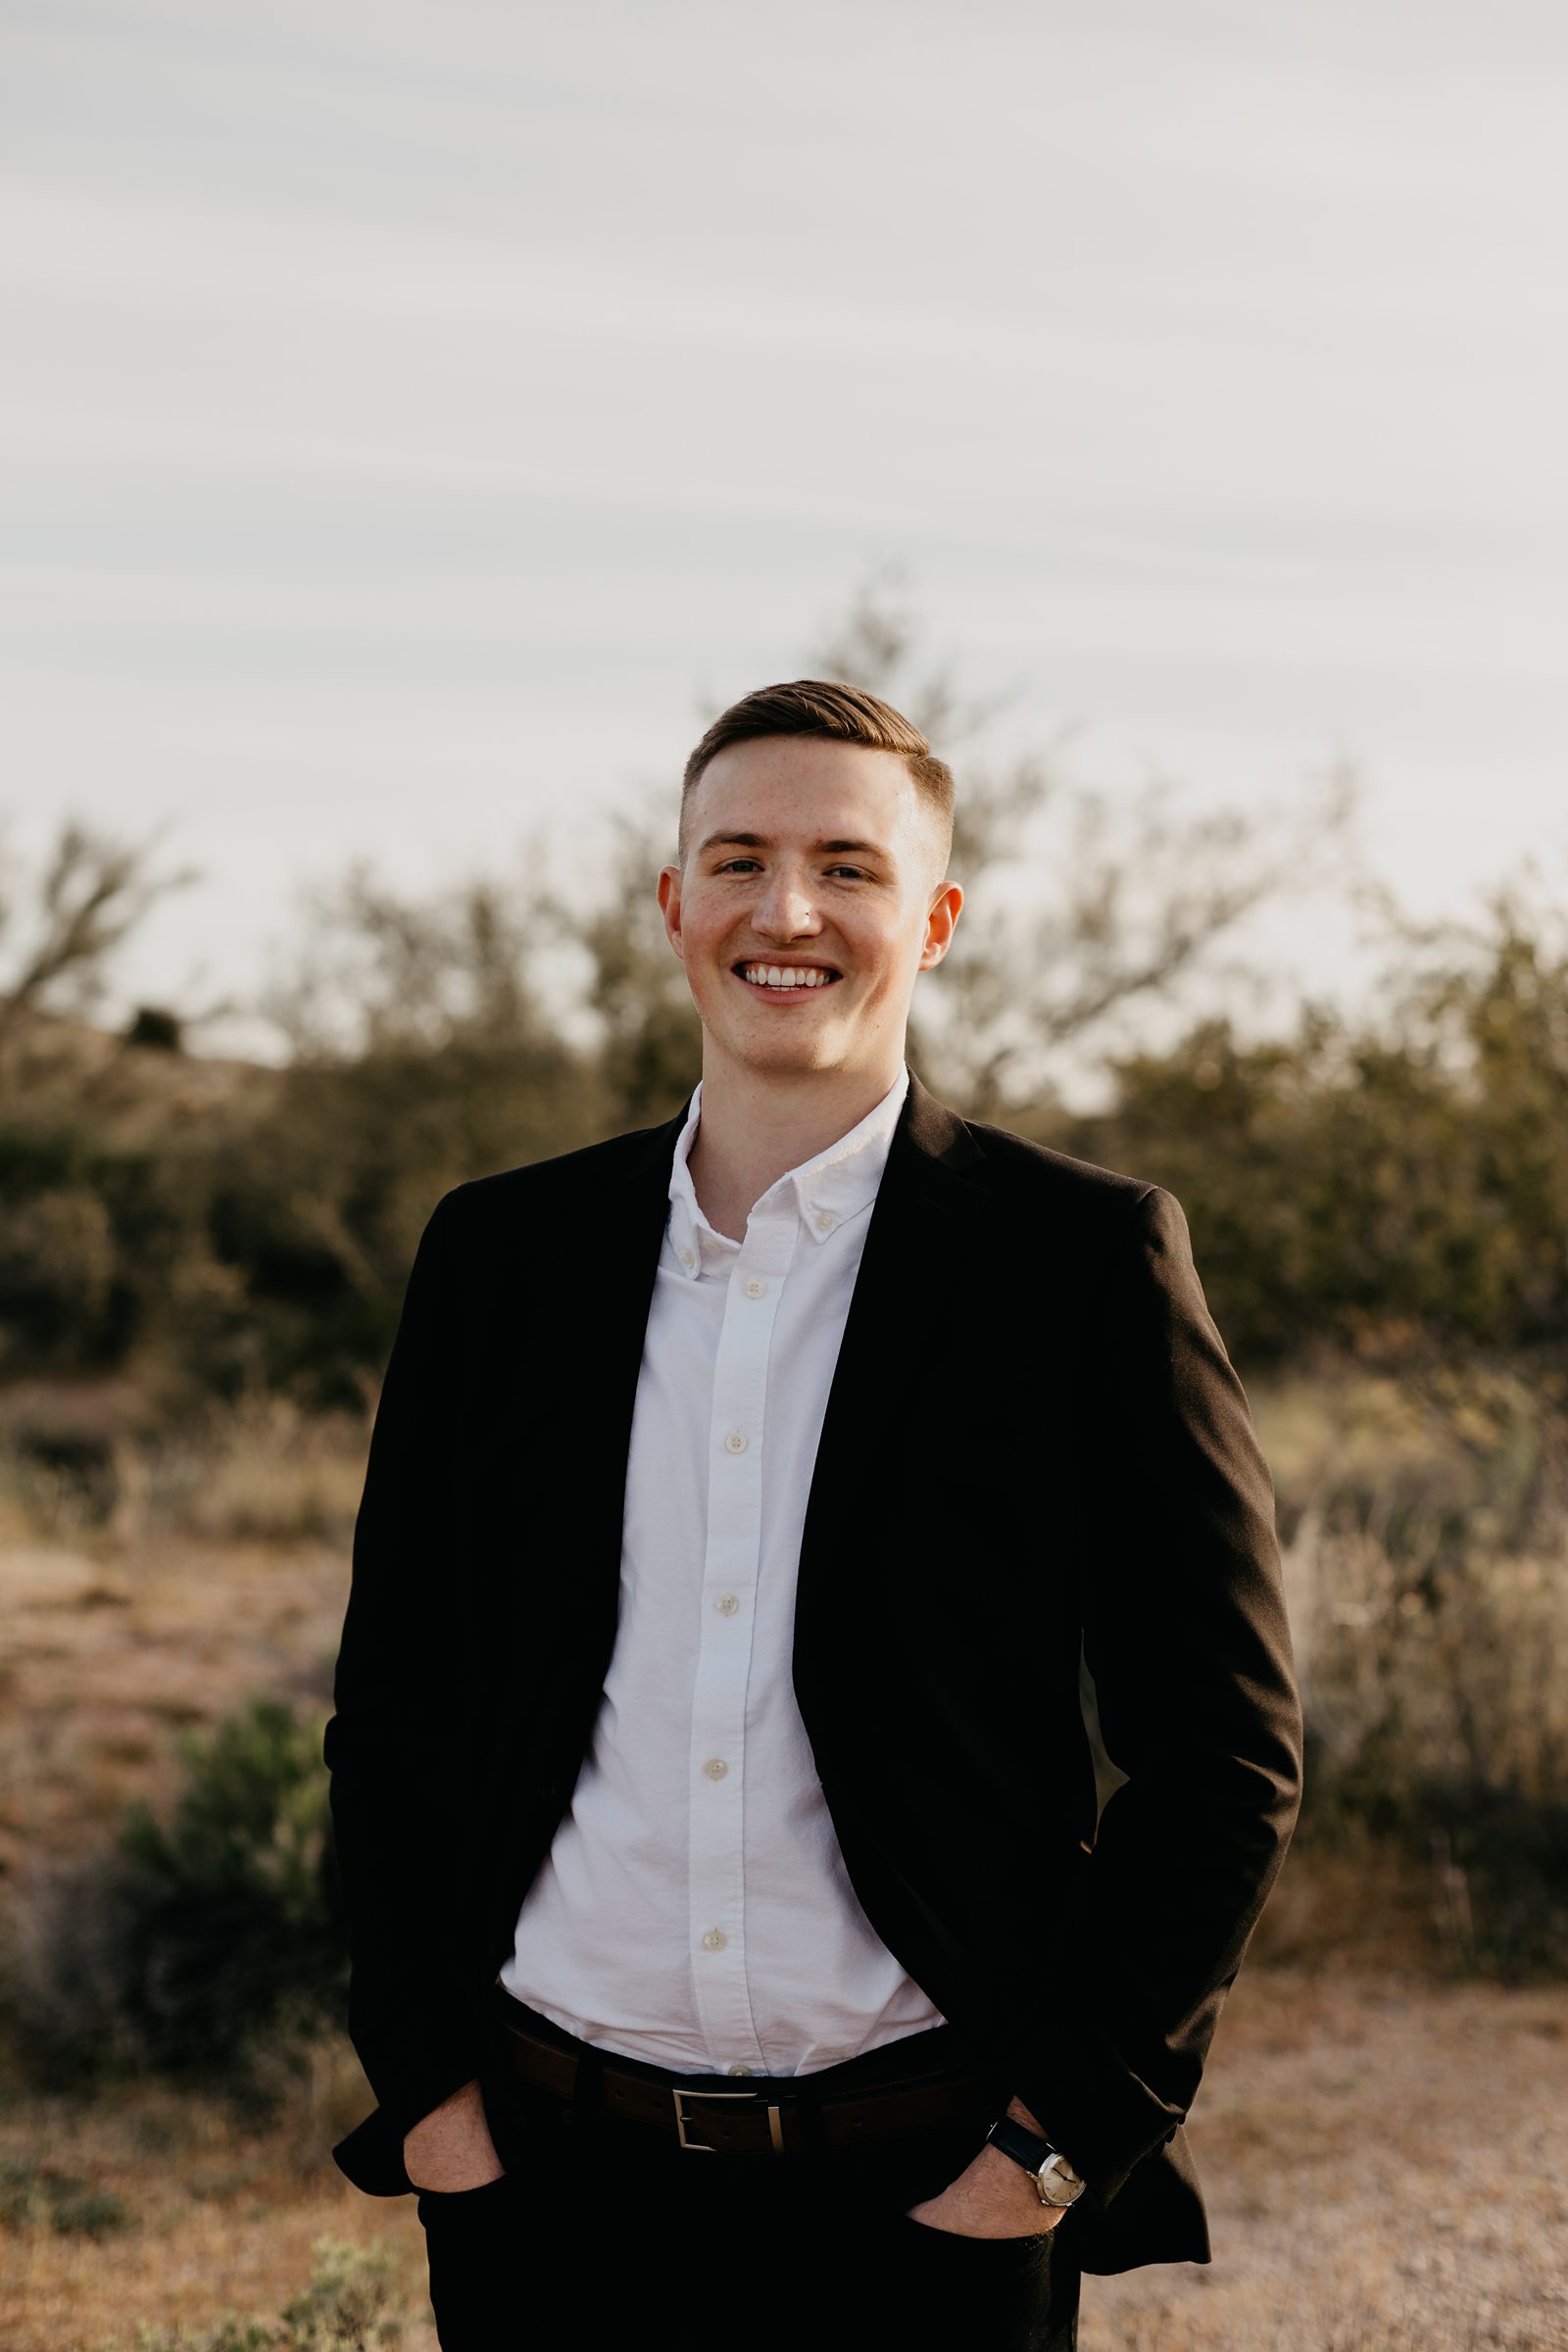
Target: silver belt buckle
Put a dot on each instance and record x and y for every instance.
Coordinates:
(703, 2147)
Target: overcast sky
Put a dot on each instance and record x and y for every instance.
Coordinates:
(412, 411)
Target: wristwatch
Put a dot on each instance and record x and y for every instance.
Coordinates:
(1054, 2180)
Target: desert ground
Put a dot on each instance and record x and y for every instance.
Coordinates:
(1386, 2153)
(1387, 2166)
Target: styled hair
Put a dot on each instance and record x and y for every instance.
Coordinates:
(842, 713)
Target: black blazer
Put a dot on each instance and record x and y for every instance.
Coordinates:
(1034, 1439)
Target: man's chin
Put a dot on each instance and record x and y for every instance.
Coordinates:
(783, 1056)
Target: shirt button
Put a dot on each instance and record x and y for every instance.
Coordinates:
(756, 1288)
(824, 1223)
(726, 1604)
(735, 1442)
(737, 2070)
(686, 1260)
(716, 1768)
(714, 1940)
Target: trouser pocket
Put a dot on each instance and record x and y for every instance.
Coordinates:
(474, 2245)
(1006, 2294)
(442, 2205)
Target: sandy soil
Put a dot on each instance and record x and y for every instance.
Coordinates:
(1387, 2166)
(110, 1651)
(1386, 2159)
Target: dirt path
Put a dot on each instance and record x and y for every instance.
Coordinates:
(1387, 2166)
(1386, 2161)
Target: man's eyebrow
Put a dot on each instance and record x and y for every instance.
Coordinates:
(760, 840)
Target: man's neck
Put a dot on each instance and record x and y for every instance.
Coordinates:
(754, 1130)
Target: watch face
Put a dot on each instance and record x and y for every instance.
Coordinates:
(1059, 2185)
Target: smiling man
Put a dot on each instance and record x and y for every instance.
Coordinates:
(735, 1946)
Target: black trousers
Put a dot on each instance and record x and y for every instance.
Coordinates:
(601, 2233)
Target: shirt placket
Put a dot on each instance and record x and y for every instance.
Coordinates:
(716, 1765)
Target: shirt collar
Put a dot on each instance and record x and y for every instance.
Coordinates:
(838, 1184)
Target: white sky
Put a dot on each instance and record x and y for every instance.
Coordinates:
(409, 412)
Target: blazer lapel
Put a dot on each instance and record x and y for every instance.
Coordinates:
(599, 1373)
(922, 1238)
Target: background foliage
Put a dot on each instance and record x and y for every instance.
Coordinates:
(202, 1262)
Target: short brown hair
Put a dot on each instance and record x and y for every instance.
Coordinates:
(842, 713)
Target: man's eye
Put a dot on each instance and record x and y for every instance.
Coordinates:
(738, 865)
(856, 873)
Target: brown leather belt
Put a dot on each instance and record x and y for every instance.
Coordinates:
(769, 2121)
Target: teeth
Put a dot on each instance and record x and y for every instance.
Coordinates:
(787, 975)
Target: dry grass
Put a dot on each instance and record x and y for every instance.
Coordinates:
(1427, 1568)
(1387, 2166)
(1386, 2158)
(115, 1641)
(218, 2219)
(1387, 2171)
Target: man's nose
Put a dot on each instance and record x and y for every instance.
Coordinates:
(785, 910)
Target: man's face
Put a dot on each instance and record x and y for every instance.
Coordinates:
(809, 897)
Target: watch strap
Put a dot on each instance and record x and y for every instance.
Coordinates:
(1026, 2148)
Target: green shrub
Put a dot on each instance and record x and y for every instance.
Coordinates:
(201, 1937)
(39, 2196)
(1385, 1185)
(346, 2307)
(1426, 1552)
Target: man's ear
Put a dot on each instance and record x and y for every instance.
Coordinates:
(669, 906)
(941, 923)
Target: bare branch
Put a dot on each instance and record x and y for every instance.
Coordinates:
(1136, 898)
(379, 973)
(95, 889)
(877, 643)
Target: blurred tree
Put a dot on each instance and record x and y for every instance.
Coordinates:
(650, 1054)
(421, 1057)
(212, 1227)
(92, 893)
(379, 974)
(1079, 902)
(1390, 1185)
(88, 1166)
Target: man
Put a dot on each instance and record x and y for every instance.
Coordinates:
(734, 1949)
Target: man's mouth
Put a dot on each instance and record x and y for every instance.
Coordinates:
(782, 976)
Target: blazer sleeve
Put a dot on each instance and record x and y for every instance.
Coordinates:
(394, 1746)
(1187, 1639)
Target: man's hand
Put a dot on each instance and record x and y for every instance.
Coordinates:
(451, 2147)
(992, 2197)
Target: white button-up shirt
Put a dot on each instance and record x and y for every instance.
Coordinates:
(694, 1910)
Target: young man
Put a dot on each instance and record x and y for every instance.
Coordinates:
(734, 1949)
